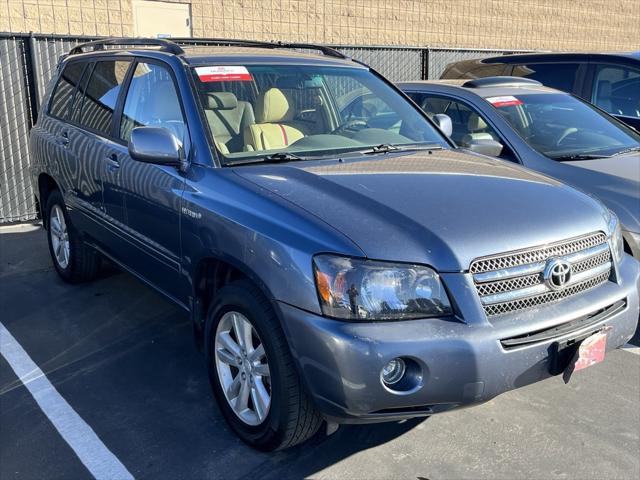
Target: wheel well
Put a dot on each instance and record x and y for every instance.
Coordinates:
(46, 185)
(211, 275)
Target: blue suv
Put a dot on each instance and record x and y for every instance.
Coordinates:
(341, 260)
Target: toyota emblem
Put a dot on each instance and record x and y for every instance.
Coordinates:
(557, 273)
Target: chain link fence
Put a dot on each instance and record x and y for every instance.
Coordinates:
(27, 63)
(16, 192)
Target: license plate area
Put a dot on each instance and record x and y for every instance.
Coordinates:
(577, 353)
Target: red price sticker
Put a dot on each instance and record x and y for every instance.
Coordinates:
(505, 101)
(221, 73)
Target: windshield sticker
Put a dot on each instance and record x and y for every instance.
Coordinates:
(506, 101)
(219, 73)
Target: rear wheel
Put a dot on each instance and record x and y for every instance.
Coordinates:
(73, 260)
(252, 373)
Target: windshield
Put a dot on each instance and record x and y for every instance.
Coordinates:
(564, 128)
(259, 112)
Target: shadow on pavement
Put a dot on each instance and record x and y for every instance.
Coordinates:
(124, 359)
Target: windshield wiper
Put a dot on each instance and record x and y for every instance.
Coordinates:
(273, 158)
(626, 150)
(388, 148)
(281, 157)
(578, 156)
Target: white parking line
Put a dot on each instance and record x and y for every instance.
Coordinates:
(81, 438)
(631, 348)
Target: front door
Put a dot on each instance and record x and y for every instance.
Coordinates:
(151, 193)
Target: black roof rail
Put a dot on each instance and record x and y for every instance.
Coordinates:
(501, 81)
(328, 51)
(164, 44)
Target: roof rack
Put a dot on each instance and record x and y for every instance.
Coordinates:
(165, 45)
(173, 45)
(500, 81)
(328, 51)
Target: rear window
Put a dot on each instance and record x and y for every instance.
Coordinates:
(99, 100)
(557, 75)
(64, 90)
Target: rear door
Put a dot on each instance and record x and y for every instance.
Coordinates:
(90, 138)
(76, 166)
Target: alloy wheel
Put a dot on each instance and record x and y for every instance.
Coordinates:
(59, 237)
(243, 370)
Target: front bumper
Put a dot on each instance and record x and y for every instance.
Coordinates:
(462, 363)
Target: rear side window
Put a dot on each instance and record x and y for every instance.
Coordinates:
(616, 89)
(99, 99)
(556, 75)
(64, 90)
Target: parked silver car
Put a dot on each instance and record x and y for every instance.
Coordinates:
(546, 130)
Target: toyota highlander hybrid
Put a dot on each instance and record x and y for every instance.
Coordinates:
(341, 260)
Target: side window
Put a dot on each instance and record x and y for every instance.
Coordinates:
(99, 99)
(78, 98)
(616, 89)
(65, 89)
(152, 100)
(467, 124)
(556, 75)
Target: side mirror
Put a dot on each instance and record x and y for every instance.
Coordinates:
(488, 147)
(443, 122)
(156, 145)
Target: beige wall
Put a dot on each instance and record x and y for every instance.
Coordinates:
(515, 24)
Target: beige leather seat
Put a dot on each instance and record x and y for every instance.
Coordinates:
(228, 118)
(478, 130)
(274, 113)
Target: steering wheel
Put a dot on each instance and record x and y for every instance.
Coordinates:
(567, 132)
(351, 125)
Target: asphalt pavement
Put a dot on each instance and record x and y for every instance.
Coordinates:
(128, 381)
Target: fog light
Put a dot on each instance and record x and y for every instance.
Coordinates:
(393, 371)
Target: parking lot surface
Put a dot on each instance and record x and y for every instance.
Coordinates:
(124, 361)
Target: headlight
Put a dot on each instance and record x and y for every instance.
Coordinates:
(358, 289)
(615, 237)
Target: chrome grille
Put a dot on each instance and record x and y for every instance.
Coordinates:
(515, 280)
(534, 255)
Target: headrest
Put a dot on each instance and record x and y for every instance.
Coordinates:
(476, 123)
(604, 89)
(273, 106)
(221, 101)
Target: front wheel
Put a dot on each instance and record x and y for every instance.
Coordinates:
(73, 260)
(252, 373)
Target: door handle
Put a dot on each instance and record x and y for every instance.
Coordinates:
(112, 162)
(63, 139)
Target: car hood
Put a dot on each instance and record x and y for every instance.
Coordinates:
(614, 180)
(442, 209)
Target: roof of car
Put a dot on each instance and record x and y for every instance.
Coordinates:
(199, 55)
(559, 56)
(217, 51)
(457, 86)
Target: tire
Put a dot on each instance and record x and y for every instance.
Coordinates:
(292, 418)
(79, 263)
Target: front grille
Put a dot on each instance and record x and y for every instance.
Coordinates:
(515, 280)
(533, 255)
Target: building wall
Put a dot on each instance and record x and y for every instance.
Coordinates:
(501, 24)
